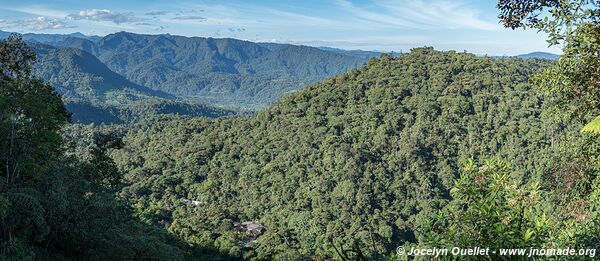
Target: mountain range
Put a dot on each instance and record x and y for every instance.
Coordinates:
(50, 38)
(95, 94)
(197, 76)
(224, 72)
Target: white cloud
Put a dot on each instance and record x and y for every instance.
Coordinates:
(40, 23)
(444, 13)
(105, 15)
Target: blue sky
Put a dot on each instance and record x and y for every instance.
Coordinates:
(385, 25)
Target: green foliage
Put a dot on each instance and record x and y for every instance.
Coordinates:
(491, 207)
(574, 187)
(53, 205)
(348, 168)
(574, 81)
(593, 126)
(95, 94)
(227, 72)
(573, 84)
(15, 58)
(494, 207)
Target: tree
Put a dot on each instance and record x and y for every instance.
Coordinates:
(490, 207)
(31, 115)
(15, 58)
(574, 81)
(54, 205)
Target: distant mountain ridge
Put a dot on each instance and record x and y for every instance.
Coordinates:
(539, 55)
(95, 94)
(359, 53)
(221, 71)
(532, 55)
(50, 38)
(227, 72)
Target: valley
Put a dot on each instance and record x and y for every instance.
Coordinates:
(300, 130)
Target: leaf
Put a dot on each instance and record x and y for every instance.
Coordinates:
(593, 126)
(528, 234)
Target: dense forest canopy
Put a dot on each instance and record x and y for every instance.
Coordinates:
(353, 165)
(95, 94)
(240, 75)
(57, 197)
(227, 72)
(428, 149)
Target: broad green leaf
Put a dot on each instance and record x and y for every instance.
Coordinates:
(528, 234)
(593, 126)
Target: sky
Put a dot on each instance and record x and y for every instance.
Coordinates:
(382, 25)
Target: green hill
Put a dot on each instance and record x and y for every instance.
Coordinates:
(539, 55)
(349, 165)
(76, 73)
(225, 72)
(221, 71)
(94, 93)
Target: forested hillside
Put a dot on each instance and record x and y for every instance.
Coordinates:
(426, 150)
(57, 184)
(107, 80)
(95, 94)
(352, 165)
(222, 72)
(219, 71)
(78, 74)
